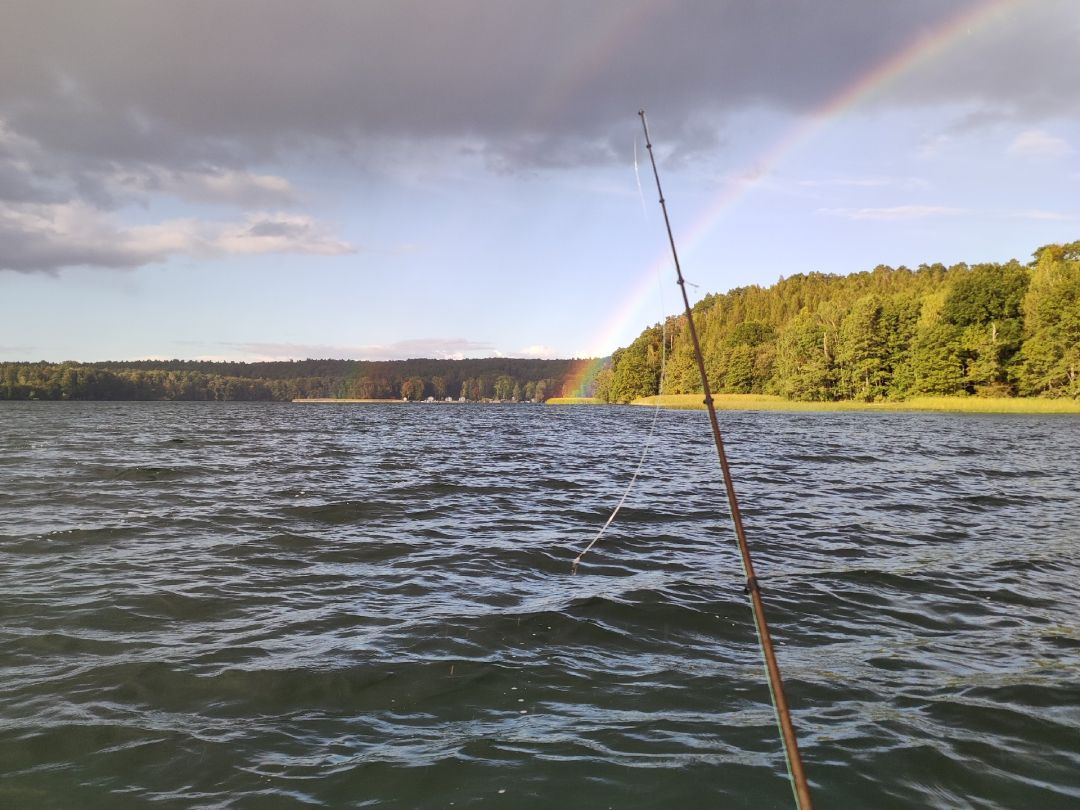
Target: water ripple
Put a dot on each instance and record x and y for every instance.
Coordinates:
(263, 605)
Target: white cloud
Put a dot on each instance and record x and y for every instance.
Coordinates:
(435, 348)
(212, 184)
(894, 213)
(538, 351)
(280, 233)
(1037, 143)
(54, 214)
(49, 237)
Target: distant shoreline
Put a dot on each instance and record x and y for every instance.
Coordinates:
(331, 400)
(343, 401)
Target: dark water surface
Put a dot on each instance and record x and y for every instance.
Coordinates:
(274, 605)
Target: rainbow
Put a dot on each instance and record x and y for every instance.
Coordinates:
(918, 52)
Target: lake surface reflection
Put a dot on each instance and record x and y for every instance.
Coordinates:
(275, 605)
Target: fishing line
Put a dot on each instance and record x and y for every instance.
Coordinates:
(659, 390)
(644, 208)
(641, 460)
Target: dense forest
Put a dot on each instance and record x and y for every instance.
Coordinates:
(890, 333)
(506, 379)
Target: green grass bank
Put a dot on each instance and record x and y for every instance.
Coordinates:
(574, 401)
(762, 402)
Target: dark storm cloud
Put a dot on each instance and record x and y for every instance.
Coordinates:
(186, 83)
(111, 102)
(17, 186)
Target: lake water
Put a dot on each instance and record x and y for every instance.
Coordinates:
(276, 605)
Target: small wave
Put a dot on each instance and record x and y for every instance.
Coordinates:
(338, 512)
(148, 473)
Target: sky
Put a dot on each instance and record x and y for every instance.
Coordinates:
(385, 179)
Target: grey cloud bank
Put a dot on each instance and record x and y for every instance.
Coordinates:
(187, 82)
(105, 104)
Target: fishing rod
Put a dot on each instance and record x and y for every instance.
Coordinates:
(799, 784)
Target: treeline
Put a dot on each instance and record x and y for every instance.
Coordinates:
(480, 379)
(890, 333)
